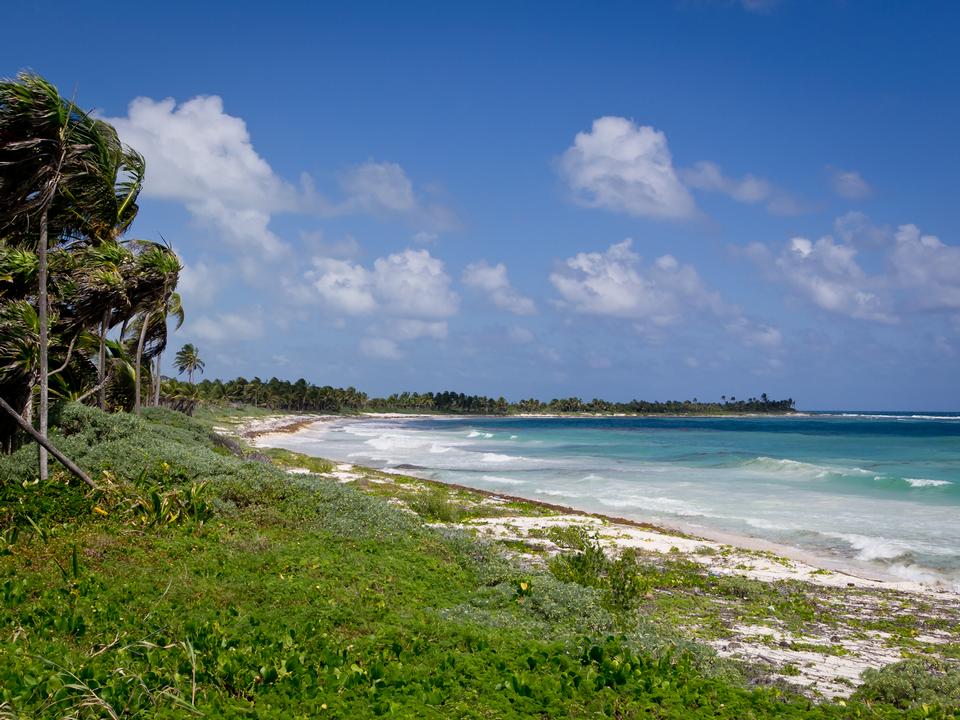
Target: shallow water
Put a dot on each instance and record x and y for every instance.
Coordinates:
(881, 489)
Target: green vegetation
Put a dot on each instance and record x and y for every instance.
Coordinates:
(196, 583)
(302, 396)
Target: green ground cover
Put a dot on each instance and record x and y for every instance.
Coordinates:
(199, 584)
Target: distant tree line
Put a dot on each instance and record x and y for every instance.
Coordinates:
(302, 396)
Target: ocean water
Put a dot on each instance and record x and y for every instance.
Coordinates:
(876, 491)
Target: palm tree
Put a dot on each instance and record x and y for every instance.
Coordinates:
(173, 309)
(45, 143)
(188, 361)
(154, 308)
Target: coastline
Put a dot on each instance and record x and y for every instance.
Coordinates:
(858, 619)
(860, 573)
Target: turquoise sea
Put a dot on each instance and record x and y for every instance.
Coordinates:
(878, 491)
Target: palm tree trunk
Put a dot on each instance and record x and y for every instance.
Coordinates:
(156, 386)
(45, 443)
(42, 302)
(138, 368)
(102, 364)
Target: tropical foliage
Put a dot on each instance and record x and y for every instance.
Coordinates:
(302, 396)
(196, 584)
(68, 277)
(188, 361)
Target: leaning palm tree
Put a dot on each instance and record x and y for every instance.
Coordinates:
(188, 361)
(60, 169)
(147, 328)
(44, 144)
(173, 309)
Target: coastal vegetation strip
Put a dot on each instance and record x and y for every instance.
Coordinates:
(200, 582)
(303, 396)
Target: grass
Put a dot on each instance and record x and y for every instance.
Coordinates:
(198, 584)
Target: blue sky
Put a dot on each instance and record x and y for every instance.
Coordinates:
(659, 200)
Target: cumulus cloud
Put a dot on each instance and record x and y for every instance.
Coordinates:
(227, 327)
(493, 280)
(343, 286)
(920, 273)
(929, 268)
(201, 156)
(849, 184)
(616, 283)
(625, 167)
(196, 151)
(827, 273)
(411, 283)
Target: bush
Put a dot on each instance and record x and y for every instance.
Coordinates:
(912, 683)
(435, 506)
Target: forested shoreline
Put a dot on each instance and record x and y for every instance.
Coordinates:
(302, 396)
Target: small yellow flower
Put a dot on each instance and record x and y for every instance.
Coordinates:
(524, 586)
(100, 511)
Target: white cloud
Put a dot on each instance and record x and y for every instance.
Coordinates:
(383, 188)
(411, 329)
(828, 275)
(493, 280)
(414, 283)
(196, 151)
(199, 155)
(227, 327)
(381, 348)
(926, 266)
(920, 273)
(343, 286)
(198, 283)
(621, 166)
(856, 228)
(615, 283)
(410, 284)
(378, 186)
(849, 184)
(708, 176)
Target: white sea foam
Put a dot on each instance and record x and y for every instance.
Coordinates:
(502, 480)
(646, 503)
(875, 416)
(557, 493)
(787, 467)
(872, 548)
(498, 458)
(477, 433)
(923, 482)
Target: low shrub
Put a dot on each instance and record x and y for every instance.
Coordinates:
(913, 683)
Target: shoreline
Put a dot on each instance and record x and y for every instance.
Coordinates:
(857, 572)
(853, 622)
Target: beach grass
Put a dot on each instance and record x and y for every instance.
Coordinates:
(197, 583)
